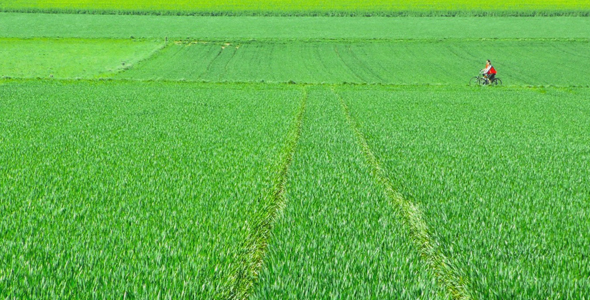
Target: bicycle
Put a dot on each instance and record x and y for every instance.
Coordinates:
(481, 80)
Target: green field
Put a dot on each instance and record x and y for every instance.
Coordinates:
(382, 62)
(492, 180)
(341, 7)
(181, 157)
(71, 58)
(331, 195)
(300, 28)
(532, 62)
(103, 185)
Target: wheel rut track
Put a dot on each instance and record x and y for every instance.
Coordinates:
(256, 243)
(347, 65)
(451, 278)
(210, 64)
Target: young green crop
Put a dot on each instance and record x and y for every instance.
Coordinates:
(294, 7)
(288, 28)
(71, 58)
(145, 190)
(124, 188)
(405, 62)
(338, 237)
(501, 175)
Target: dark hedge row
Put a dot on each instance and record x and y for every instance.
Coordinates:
(278, 13)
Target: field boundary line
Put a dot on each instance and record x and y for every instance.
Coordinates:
(286, 40)
(257, 241)
(455, 283)
(7, 79)
(149, 57)
(348, 41)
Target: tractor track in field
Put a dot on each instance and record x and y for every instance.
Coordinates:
(256, 243)
(348, 67)
(360, 62)
(210, 64)
(453, 280)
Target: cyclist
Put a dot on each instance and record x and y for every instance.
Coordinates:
(489, 72)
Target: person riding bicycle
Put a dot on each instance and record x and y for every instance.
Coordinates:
(489, 72)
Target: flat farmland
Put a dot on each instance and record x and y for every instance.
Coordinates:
(489, 176)
(100, 186)
(71, 58)
(342, 7)
(339, 234)
(556, 62)
(179, 157)
(290, 28)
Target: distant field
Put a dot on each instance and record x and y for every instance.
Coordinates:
(449, 62)
(70, 58)
(536, 62)
(281, 6)
(300, 28)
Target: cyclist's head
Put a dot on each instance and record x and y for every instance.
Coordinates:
(489, 61)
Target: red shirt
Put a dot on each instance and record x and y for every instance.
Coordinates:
(492, 70)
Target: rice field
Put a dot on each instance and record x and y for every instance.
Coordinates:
(178, 157)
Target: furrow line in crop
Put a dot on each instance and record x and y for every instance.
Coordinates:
(256, 242)
(450, 277)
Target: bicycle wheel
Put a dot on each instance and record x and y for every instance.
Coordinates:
(497, 81)
(475, 81)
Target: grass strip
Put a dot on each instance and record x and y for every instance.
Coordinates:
(256, 242)
(455, 283)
